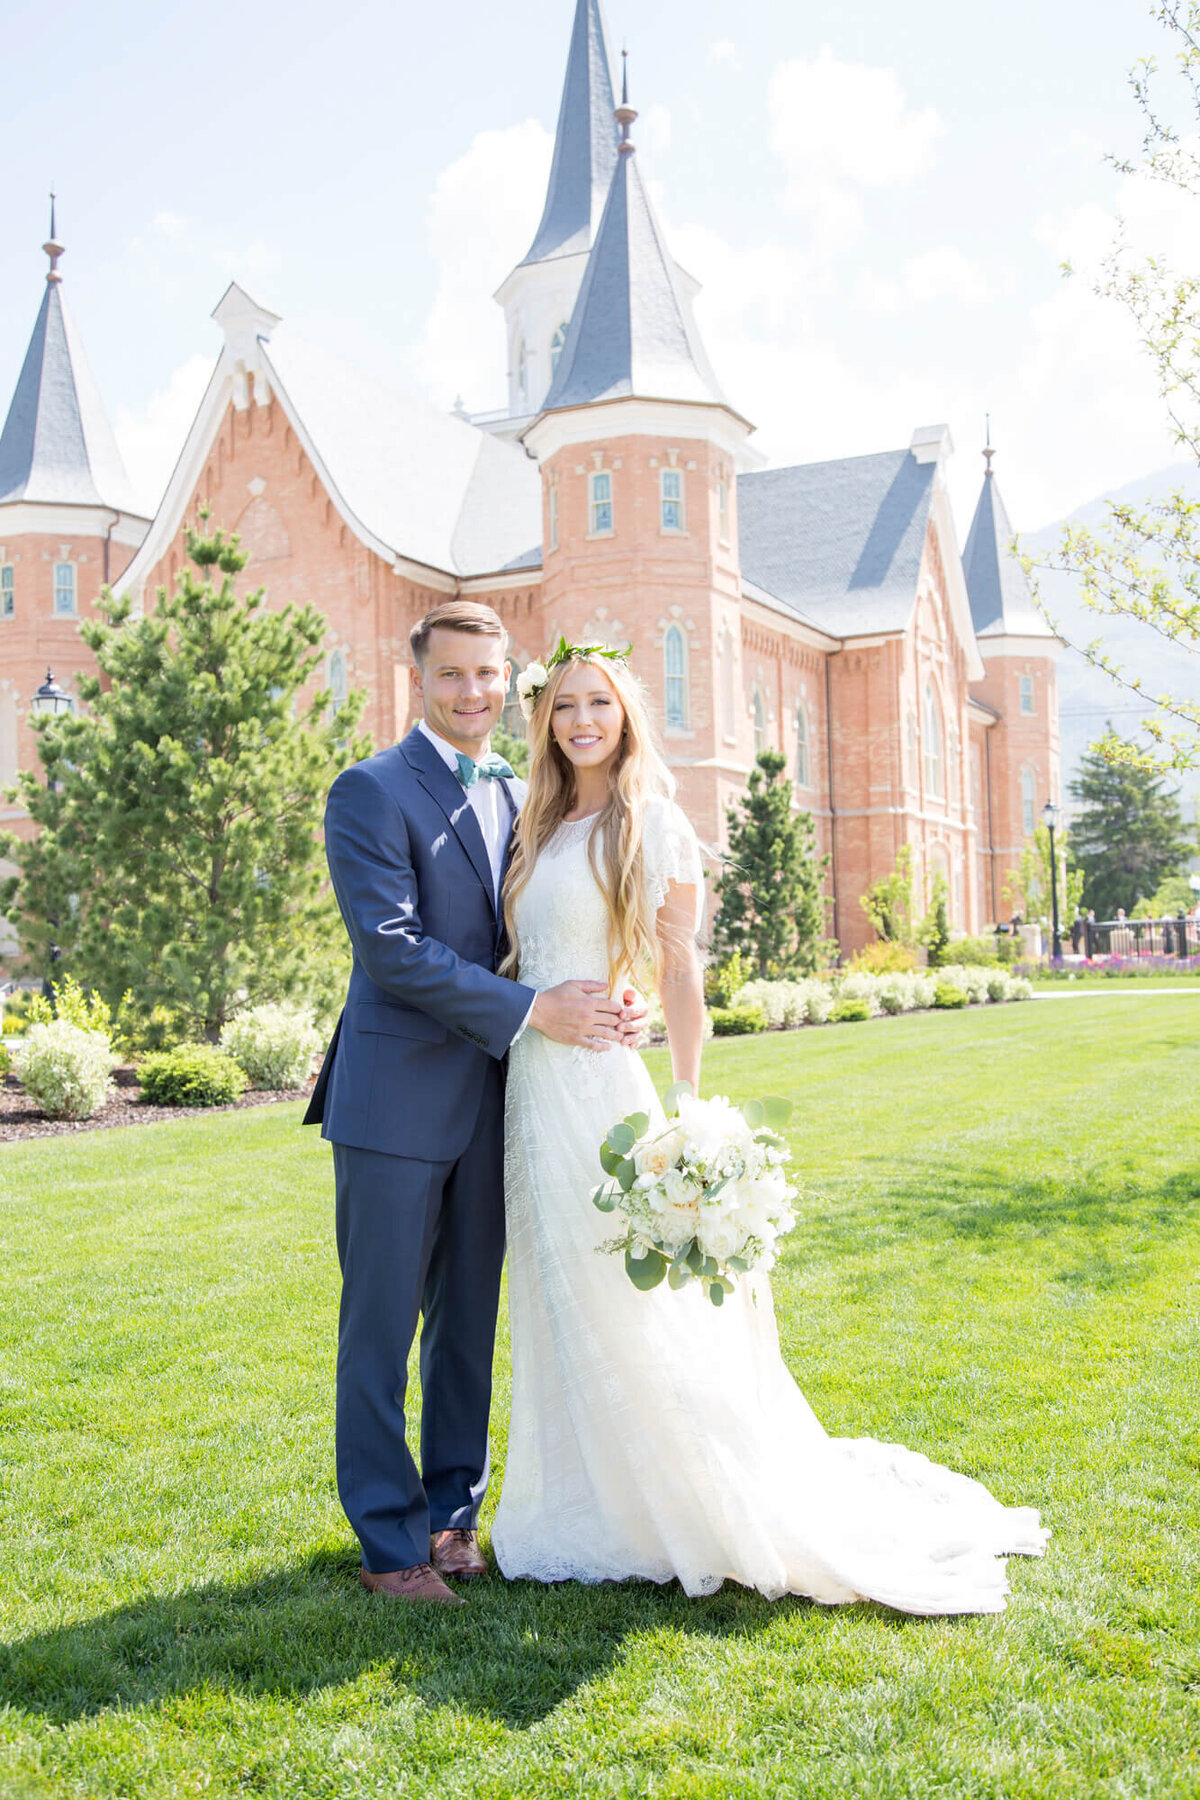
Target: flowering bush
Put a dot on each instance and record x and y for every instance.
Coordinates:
(971, 979)
(275, 1045)
(1020, 988)
(860, 987)
(883, 958)
(66, 1069)
(949, 995)
(737, 1021)
(705, 1198)
(190, 1075)
(852, 1010)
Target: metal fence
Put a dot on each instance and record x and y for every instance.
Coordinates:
(1179, 937)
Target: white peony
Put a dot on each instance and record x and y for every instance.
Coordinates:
(719, 1237)
(661, 1154)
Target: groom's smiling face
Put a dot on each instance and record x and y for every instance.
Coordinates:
(462, 684)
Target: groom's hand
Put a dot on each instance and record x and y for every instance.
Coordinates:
(633, 1019)
(578, 1012)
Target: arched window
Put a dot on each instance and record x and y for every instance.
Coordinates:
(8, 738)
(1028, 803)
(675, 673)
(952, 792)
(910, 749)
(801, 746)
(728, 684)
(337, 681)
(556, 349)
(760, 721)
(934, 762)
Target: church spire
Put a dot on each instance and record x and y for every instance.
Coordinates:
(57, 446)
(1001, 602)
(585, 144)
(631, 333)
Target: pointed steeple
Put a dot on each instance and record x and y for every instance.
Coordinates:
(631, 332)
(1001, 603)
(57, 445)
(585, 145)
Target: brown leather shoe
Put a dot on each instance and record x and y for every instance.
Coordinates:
(457, 1553)
(418, 1583)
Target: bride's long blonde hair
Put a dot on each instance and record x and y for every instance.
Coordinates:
(636, 775)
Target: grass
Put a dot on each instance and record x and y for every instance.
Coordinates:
(996, 1265)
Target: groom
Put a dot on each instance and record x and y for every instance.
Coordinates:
(411, 1096)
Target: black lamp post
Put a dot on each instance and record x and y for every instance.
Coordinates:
(1051, 814)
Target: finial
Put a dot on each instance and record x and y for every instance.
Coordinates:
(625, 114)
(52, 247)
(988, 452)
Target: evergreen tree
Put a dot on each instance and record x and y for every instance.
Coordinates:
(178, 853)
(772, 903)
(1130, 835)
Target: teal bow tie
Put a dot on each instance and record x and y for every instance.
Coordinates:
(491, 767)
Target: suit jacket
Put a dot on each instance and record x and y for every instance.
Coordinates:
(425, 1010)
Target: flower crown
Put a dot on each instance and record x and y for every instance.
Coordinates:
(534, 677)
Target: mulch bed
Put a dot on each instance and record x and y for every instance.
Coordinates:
(20, 1118)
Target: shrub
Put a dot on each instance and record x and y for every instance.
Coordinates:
(273, 1044)
(1020, 988)
(977, 951)
(972, 980)
(769, 997)
(14, 1024)
(5, 1062)
(861, 987)
(66, 1070)
(190, 1075)
(87, 1012)
(898, 993)
(818, 1000)
(949, 996)
(883, 959)
(737, 1021)
(999, 985)
(723, 982)
(851, 1010)
(161, 1028)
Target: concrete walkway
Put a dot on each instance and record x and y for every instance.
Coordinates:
(1127, 991)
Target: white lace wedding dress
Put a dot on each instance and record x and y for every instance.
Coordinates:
(654, 1435)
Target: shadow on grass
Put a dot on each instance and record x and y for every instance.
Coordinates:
(968, 1203)
(513, 1654)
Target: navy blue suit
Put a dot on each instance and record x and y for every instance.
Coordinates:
(411, 1096)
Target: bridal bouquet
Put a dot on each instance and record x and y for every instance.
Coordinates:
(703, 1200)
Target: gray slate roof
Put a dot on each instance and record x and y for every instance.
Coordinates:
(1001, 603)
(57, 445)
(585, 145)
(631, 332)
(839, 543)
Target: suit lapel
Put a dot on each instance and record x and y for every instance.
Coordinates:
(444, 787)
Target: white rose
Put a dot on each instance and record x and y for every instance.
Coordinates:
(657, 1157)
(678, 1190)
(719, 1237)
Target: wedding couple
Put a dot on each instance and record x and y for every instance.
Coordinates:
(652, 1436)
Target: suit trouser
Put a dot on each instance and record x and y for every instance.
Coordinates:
(417, 1238)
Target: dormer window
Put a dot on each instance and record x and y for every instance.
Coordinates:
(7, 591)
(556, 349)
(64, 590)
(671, 491)
(600, 504)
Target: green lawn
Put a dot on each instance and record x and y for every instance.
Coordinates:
(996, 1264)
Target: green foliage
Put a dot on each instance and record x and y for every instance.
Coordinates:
(934, 933)
(190, 1075)
(87, 1012)
(890, 904)
(1142, 567)
(13, 1025)
(66, 1068)
(1028, 889)
(1129, 836)
(5, 1062)
(883, 957)
(513, 749)
(851, 1011)
(949, 997)
(1169, 899)
(738, 1021)
(726, 979)
(177, 853)
(274, 1045)
(976, 952)
(772, 905)
(136, 1032)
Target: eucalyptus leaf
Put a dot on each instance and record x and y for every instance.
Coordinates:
(604, 1200)
(610, 1162)
(622, 1138)
(739, 1263)
(695, 1259)
(647, 1271)
(638, 1123)
(672, 1097)
(778, 1110)
(754, 1113)
(626, 1173)
(715, 1187)
(716, 1294)
(708, 1268)
(678, 1277)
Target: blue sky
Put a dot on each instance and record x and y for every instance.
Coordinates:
(877, 200)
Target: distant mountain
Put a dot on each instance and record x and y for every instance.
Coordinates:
(1088, 698)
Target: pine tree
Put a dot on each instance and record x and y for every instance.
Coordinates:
(1130, 835)
(772, 903)
(178, 852)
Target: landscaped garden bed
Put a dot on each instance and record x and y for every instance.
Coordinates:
(21, 1118)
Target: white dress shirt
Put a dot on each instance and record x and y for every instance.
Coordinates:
(491, 808)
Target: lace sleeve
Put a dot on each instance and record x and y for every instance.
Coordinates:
(672, 854)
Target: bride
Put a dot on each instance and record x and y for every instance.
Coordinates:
(652, 1434)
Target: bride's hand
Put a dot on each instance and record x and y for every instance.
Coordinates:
(634, 1012)
(578, 1012)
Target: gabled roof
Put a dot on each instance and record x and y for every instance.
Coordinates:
(57, 445)
(631, 333)
(839, 543)
(1001, 603)
(411, 481)
(585, 144)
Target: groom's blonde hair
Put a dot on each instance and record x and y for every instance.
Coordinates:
(615, 846)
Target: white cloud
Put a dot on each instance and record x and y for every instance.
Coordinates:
(838, 127)
(483, 214)
(653, 129)
(723, 54)
(150, 440)
(943, 273)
